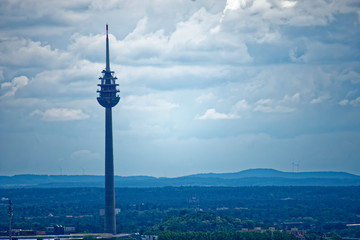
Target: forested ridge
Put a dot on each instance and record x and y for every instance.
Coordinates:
(250, 177)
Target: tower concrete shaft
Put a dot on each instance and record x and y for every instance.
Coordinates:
(110, 219)
(108, 98)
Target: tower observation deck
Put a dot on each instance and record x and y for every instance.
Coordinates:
(108, 98)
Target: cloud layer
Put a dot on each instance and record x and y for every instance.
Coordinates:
(205, 85)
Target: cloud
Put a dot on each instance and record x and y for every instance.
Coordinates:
(21, 52)
(273, 109)
(351, 75)
(205, 98)
(173, 77)
(297, 54)
(288, 4)
(241, 105)
(265, 105)
(10, 88)
(77, 81)
(344, 102)
(184, 67)
(190, 42)
(355, 102)
(148, 103)
(271, 21)
(320, 99)
(213, 114)
(292, 99)
(84, 156)
(90, 47)
(264, 101)
(328, 52)
(108, 5)
(268, 106)
(60, 114)
(232, 5)
(1, 75)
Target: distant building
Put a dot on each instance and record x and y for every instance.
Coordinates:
(149, 237)
(117, 211)
(194, 200)
(194, 203)
(290, 225)
(60, 229)
(222, 208)
(299, 233)
(56, 229)
(353, 225)
(19, 232)
(69, 230)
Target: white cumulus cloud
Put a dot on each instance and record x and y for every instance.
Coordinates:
(288, 4)
(213, 114)
(10, 88)
(25, 52)
(205, 98)
(319, 99)
(344, 102)
(192, 40)
(60, 114)
(292, 99)
(241, 105)
(355, 102)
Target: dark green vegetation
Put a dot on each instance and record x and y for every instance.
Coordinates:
(174, 210)
(225, 236)
(251, 177)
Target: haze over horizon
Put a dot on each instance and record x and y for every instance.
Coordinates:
(205, 86)
(254, 172)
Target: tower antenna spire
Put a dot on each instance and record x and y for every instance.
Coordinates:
(107, 50)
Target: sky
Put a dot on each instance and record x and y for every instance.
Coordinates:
(205, 86)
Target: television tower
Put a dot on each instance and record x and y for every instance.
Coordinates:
(108, 98)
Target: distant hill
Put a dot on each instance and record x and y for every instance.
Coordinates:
(251, 177)
(271, 173)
